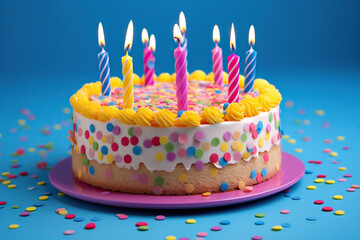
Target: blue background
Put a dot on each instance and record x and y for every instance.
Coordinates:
(308, 49)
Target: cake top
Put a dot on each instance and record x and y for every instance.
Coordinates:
(156, 105)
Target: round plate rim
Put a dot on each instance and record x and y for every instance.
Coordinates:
(174, 202)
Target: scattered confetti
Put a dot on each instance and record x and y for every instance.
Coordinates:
(13, 226)
(225, 222)
(160, 217)
(90, 226)
(216, 228)
(190, 221)
(285, 211)
(338, 197)
(69, 232)
(339, 212)
(327, 209)
(277, 228)
(311, 187)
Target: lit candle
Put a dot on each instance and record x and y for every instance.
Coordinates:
(127, 69)
(104, 64)
(250, 63)
(233, 69)
(217, 58)
(180, 69)
(149, 60)
(182, 23)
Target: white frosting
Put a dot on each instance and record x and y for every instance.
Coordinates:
(147, 155)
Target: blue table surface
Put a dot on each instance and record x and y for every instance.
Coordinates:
(333, 91)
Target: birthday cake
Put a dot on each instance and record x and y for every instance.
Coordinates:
(153, 148)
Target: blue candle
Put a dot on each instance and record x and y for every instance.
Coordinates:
(250, 63)
(104, 64)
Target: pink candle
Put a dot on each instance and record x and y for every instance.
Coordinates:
(233, 69)
(149, 60)
(217, 58)
(180, 69)
(149, 66)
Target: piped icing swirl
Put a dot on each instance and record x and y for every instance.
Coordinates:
(165, 118)
(144, 116)
(127, 116)
(251, 106)
(270, 99)
(107, 113)
(188, 119)
(211, 115)
(234, 112)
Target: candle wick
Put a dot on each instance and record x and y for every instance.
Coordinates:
(127, 49)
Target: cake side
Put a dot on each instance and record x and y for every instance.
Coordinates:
(181, 180)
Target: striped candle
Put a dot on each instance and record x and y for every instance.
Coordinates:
(233, 69)
(127, 70)
(128, 83)
(217, 58)
(104, 64)
(180, 69)
(183, 40)
(149, 60)
(104, 73)
(250, 63)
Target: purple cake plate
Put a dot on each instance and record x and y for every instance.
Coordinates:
(61, 177)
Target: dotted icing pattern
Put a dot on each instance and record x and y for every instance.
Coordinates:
(163, 149)
(157, 106)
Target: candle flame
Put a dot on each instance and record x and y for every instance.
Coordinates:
(216, 34)
(182, 22)
(177, 33)
(101, 38)
(252, 35)
(152, 42)
(232, 38)
(144, 36)
(129, 36)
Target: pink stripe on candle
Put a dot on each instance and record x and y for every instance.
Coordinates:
(217, 65)
(233, 88)
(148, 72)
(181, 78)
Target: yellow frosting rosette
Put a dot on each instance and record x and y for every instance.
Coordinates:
(107, 112)
(91, 110)
(165, 77)
(211, 115)
(261, 85)
(198, 75)
(144, 116)
(251, 106)
(270, 99)
(188, 119)
(126, 116)
(164, 118)
(116, 82)
(234, 112)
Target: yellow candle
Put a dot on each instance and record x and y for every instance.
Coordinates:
(127, 70)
